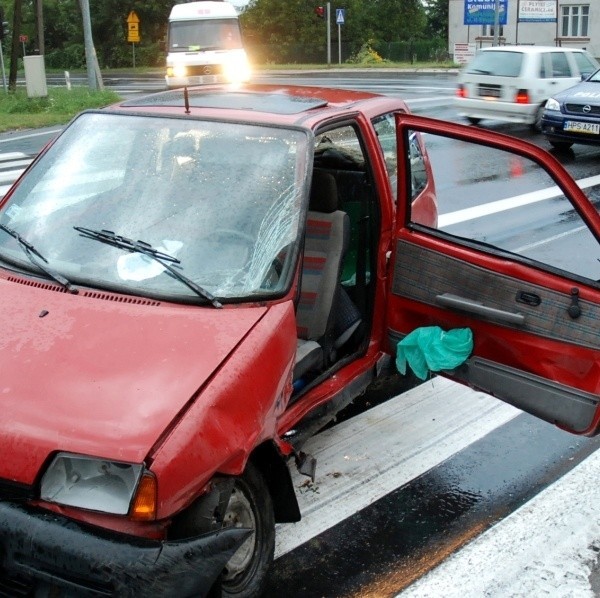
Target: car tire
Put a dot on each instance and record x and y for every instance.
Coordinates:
(561, 145)
(536, 125)
(250, 505)
(473, 120)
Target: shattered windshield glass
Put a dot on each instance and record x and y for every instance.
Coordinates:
(224, 199)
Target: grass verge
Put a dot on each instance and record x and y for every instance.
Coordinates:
(17, 111)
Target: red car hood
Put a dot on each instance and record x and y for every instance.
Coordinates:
(100, 374)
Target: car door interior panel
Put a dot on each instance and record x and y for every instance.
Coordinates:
(513, 322)
(424, 275)
(551, 401)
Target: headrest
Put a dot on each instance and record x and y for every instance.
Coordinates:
(323, 193)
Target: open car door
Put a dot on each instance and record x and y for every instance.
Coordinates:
(515, 258)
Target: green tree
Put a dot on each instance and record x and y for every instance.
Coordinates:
(109, 22)
(64, 33)
(280, 30)
(393, 20)
(437, 19)
(276, 31)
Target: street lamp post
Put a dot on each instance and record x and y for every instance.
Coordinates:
(497, 23)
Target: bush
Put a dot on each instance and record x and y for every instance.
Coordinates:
(70, 57)
(366, 55)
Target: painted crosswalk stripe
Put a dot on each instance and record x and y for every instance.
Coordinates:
(10, 176)
(12, 165)
(422, 427)
(13, 157)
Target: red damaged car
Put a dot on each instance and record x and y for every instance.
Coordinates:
(193, 283)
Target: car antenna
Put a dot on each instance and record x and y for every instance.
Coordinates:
(186, 99)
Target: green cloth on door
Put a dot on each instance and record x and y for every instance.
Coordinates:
(431, 349)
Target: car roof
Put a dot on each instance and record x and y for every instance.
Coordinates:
(529, 49)
(276, 104)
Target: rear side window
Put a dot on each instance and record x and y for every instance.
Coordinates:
(501, 64)
(584, 63)
(560, 65)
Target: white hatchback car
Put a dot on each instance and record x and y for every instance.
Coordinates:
(512, 83)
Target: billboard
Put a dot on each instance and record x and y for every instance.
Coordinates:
(537, 11)
(483, 12)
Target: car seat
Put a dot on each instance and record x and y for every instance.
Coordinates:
(319, 329)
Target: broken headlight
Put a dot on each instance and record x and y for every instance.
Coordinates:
(91, 483)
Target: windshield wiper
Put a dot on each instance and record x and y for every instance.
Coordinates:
(164, 259)
(34, 256)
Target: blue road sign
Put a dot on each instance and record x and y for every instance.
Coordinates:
(339, 16)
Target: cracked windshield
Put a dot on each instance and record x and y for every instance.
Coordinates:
(220, 203)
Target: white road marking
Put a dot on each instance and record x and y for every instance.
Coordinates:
(16, 163)
(494, 207)
(429, 100)
(8, 156)
(549, 239)
(10, 175)
(545, 548)
(11, 164)
(376, 452)
(26, 136)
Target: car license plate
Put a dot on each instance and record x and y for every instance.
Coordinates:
(203, 80)
(207, 79)
(578, 127)
(489, 93)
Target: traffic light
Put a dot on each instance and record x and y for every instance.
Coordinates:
(320, 11)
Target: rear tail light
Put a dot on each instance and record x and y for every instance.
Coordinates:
(461, 91)
(522, 97)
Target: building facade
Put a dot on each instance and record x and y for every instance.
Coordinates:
(577, 25)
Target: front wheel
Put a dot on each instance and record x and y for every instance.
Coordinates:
(250, 506)
(536, 125)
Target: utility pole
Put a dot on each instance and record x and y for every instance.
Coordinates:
(497, 23)
(91, 60)
(39, 26)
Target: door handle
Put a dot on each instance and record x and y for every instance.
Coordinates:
(479, 309)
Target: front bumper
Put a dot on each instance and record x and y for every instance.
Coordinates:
(47, 548)
(553, 129)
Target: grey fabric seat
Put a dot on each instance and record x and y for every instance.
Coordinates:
(327, 237)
